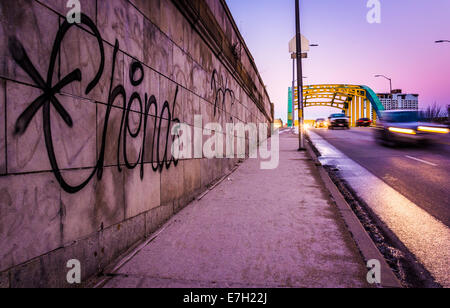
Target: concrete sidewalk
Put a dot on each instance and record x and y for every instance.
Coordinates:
(275, 228)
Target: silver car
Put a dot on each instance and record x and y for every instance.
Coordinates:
(404, 126)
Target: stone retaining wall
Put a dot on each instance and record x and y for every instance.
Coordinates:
(86, 170)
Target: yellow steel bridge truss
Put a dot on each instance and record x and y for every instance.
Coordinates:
(357, 101)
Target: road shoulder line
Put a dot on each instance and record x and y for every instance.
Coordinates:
(421, 160)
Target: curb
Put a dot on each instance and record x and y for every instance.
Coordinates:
(365, 244)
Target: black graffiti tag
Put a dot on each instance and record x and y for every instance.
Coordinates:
(48, 98)
(220, 92)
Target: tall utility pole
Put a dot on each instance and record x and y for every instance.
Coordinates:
(301, 133)
(293, 89)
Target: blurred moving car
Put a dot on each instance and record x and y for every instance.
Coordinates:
(338, 120)
(363, 122)
(404, 126)
(320, 123)
(278, 123)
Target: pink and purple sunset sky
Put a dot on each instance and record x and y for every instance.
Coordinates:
(351, 50)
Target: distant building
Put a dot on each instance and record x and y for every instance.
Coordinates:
(398, 100)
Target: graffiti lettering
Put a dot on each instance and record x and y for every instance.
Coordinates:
(220, 93)
(49, 99)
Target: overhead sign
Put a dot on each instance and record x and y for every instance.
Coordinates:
(293, 45)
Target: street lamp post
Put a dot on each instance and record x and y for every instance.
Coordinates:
(390, 80)
(442, 41)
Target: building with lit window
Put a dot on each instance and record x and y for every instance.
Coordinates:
(398, 100)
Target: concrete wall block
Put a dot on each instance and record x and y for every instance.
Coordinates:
(182, 67)
(4, 280)
(233, 111)
(29, 275)
(30, 222)
(79, 210)
(158, 49)
(2, 127)
(35, 27)
(207, 59)
(122, 21)
(187, 39)
(150, 225)
(87, 251)
(148, 85)
(230, 164)
(218, 168)
(116, 239)
(51, 269)
(194, 41)
(157, 217)
(237, 111)
(151, 139)
(207, 172)
(165, 142)
(167, 92)
(150, 9)
(141, 195)
(26, 152)
(182, 104)
(171, 22)
(74, 147)
(191, 107)
(134, 230)
(201, 81)
(207, 111)
(233, 85)
(229, 107)
(109, 207)
(133, 146)
(172, 184)
(152, 84)
(113, 153)
(192, 178)
(81, 50)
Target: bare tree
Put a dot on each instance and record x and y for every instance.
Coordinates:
(433, 113)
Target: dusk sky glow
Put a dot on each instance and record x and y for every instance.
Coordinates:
(350, 49)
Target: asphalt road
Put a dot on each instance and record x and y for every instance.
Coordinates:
(421, 174)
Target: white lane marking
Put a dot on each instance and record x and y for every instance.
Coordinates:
(425, 236)
(421, 160)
